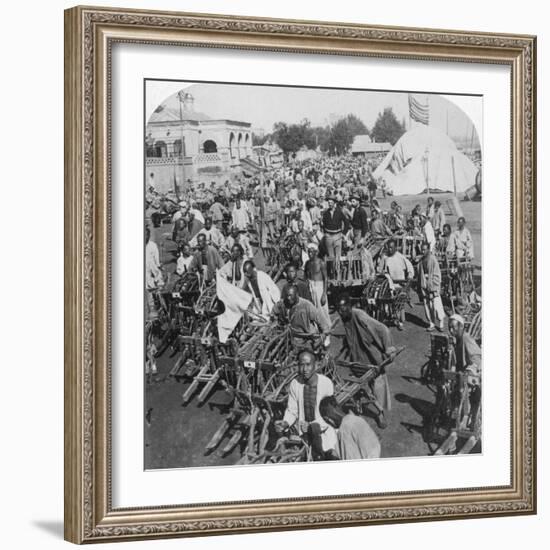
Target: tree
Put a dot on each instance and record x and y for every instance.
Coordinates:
(356, 126)
(343, 132)
(322, 137)
(290, 138)
(259, 140)
(387, 128)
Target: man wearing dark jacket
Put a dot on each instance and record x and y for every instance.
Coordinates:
(359, 220)
(334, 225)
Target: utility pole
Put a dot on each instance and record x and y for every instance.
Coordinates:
(181, 97)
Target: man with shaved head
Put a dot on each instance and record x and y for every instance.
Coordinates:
(369, 342)
(302, 412)
(305, 320)
(206, 260)
(292, 280)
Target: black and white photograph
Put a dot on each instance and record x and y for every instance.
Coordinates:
(312, 274)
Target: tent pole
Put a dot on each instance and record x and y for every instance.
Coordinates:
(453, 172)
(427, 172)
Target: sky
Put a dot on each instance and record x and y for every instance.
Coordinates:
(263, 106)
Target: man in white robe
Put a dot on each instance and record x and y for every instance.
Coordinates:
(461, 242)
(304, 396)
(240, 216)
(264, 291)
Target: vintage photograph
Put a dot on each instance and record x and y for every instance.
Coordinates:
(313, 274)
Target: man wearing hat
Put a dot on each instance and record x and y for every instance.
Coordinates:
(334, 225)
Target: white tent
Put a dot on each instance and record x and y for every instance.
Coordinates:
(425, 156)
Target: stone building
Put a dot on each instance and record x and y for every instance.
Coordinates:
(185, 147)
(364, 146)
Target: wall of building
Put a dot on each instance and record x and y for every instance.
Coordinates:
(212, 152)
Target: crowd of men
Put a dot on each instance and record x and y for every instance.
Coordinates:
(327, 208)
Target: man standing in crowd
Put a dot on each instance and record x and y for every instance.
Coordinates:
(359, 220)
(233, 270)
(369, 342)
(427, 231)
(206, 260)
(180, 232)
(429, 284)
(238, 237)
(153, 273)
(193, 224)
(378, 227)
(213, 235)
(184, 258)
(371, 185)
(461, 242)
(292, 280)
(438, 219)
(399, 269)
(430, 209)
(218, 211)
(240, 216)
(334, 225)
(316, 275)
(264, 291)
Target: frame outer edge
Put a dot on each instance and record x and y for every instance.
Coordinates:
(84, 521)
(73, 433)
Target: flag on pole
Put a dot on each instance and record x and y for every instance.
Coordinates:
(236, 302)
(418, 109)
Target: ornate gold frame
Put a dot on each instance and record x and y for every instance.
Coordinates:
(89, 34)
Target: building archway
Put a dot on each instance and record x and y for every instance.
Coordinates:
(232, 145)
(209, 146)
(240, 145)
(247, 145)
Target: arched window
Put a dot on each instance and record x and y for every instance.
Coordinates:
(239, 145)
(161, 149)
(209, 146)
(232, 145)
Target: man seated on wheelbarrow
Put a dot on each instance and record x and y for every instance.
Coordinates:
(304, 396)
(398, 268)
(369, 342)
